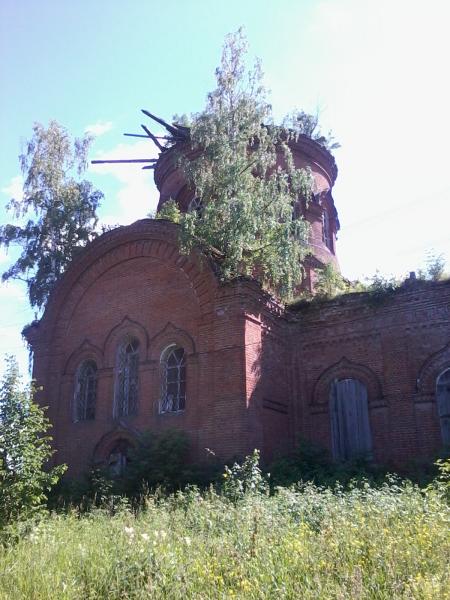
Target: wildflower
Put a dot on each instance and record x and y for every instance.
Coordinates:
(145, 537)
(129, 531)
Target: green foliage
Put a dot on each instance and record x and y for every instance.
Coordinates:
(64, 210)
(302, 123)
(434, 267)
(24, 450)
(169, 211)
(243, 479)
(330, 283)
(381, 288)
(311, 462)
(302, 542)
(442, 482)
(247, 223)
(159, 459)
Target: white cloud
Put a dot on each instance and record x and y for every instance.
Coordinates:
(14, 189)
(137, 194)
(378, 68)
(99, 128)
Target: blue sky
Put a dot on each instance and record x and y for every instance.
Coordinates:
(376, 70)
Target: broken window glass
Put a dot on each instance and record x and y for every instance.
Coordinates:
(85, 391)
(173, 392)
(126, 394)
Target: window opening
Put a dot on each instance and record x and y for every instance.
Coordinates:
(85, 391)
(196, 205)
(118, 458)
(350, 425)
(126, 396)
(327, 237)
(443, 404)
(173, 392)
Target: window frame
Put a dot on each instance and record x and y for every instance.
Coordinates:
(327, 234)
(85, 391)
(178, 405)
(443, 411)
(126, 379)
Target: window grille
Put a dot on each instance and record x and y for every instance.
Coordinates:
(196, 205)
(126, 396)
(173, 392)
(326, 230)
(85, 391)
(118, 458)
(350, 425)
(443, 404)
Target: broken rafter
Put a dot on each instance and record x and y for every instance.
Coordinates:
(153, 138)
(179, 132)
(126, 160)
(139, 135)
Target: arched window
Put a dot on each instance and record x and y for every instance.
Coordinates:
(118, 458)
(173, 385)
(85, 391)
(196, 205)
(443, 404)
(350, 425)
(127, 369)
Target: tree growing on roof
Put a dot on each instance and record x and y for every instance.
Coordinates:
(62, 206)
(246, 216)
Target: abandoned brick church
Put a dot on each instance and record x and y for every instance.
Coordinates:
(138, 336)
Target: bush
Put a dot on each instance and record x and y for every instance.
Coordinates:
(24, 450)
(311, 462)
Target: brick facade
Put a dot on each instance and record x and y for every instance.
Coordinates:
(256, 374)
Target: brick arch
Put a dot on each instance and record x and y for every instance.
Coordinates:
(346, 369)
(148, 238)
(108, 441)
(170, 335)
(126, 328)
(435, 364)
(86, 351)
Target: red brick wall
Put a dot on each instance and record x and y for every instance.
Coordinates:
(386, 347)
(256, 376)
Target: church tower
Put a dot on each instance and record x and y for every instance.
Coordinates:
(320, 212)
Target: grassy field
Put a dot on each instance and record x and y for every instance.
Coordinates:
(387, 542)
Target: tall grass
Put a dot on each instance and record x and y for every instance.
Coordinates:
(305, 542)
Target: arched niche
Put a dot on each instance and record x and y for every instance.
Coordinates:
(434, 365)
(346, 369)
(126, 329)
(170, 335)
(86, 351)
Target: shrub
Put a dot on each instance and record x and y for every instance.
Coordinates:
(24, 450)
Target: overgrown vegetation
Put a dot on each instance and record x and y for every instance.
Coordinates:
(241, 167)
(64, 210)
(159, 460)
(25, 479)
(378, 288)
(301, 542)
